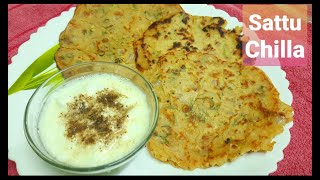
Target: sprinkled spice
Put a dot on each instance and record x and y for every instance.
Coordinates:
(92, 119)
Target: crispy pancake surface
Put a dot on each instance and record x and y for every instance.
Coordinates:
(212, 111)
(106, 32)
(189, 33)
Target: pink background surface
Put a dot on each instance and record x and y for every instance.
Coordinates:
(26, 19)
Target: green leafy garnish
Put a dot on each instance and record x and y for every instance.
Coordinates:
(261, 89)
(164, 139)
(34, 76)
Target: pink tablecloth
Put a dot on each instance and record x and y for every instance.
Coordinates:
(26, 19)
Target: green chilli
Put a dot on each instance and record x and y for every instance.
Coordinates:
(38, 80)
(34, 75)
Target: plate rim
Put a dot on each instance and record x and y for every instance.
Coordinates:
(22, 48)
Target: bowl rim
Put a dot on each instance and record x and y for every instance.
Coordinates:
(116, 163)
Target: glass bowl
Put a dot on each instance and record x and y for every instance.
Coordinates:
(36, 102)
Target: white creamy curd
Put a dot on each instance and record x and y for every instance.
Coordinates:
(53, 128)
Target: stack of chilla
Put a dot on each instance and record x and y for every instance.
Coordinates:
(213, 108)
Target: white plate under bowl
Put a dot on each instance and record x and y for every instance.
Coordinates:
(28, 163)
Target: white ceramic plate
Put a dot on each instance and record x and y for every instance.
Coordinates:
(28, 163)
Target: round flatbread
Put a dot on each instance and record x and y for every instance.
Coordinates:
(190, 34)
(106, 32)
(212, 111)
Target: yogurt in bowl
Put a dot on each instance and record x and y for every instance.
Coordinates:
(95, 120)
